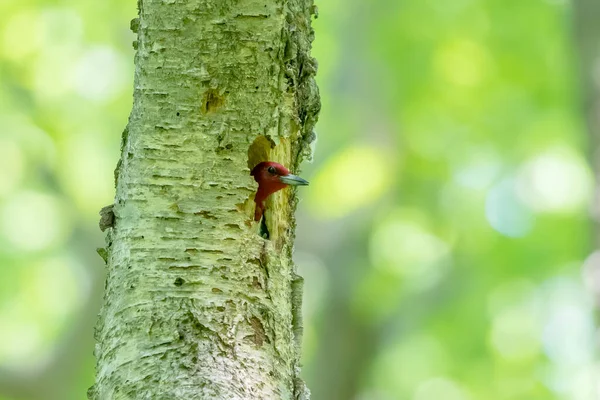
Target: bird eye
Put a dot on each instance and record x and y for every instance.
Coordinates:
(271, 170)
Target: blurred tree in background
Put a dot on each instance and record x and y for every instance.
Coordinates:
(443, 234)
(587, 31)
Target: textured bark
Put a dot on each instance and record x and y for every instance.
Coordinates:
(197, 304)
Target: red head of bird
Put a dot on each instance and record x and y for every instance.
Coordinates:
(271, 177)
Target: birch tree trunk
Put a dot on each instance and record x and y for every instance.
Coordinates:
(197, 304)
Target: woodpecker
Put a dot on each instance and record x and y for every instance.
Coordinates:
(271, 177)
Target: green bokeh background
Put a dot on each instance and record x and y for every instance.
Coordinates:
(443, 238)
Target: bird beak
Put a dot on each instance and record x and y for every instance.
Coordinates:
(293, 180)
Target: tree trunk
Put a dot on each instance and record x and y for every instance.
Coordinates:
(587, 32)
(587, 38)
(198, 305)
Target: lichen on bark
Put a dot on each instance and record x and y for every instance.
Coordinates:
(197, 305)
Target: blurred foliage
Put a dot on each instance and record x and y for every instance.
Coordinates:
(65, 92)
(442, 237)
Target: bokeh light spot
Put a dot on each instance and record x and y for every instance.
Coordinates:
(515, 334)
(569, 325)
(62, 32)
(401, 244)
(100, 74)
(352, 179)
(568, 335)
(462, 62)
(33, 221)
(505, 212)
(555, 181)
(479, 170)
(61, 26)
(516, 326)
(22, 35)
